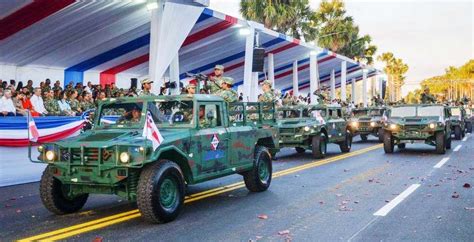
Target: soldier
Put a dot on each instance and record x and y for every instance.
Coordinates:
(215, 81)
(114, 91)
(46, 86)
(131, 117)
(75, 106)
(87, 103)
(191, 88)
(52, 105)
(29, 86)
(268, 96)
(320, 96)
(203, 122)
(226, 91)
(146, 88)
(57, 86)
(426, 96)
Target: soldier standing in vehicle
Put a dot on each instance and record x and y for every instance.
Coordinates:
(268, 96)
(320, 96)
(146, 88)
(427, 97)
(215, 81)
(191, 88)
(226, 91)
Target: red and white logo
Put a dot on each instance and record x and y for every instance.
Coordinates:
(151, 132)
(33, 130)
(214, 142)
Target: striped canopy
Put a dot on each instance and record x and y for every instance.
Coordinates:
(112, 37)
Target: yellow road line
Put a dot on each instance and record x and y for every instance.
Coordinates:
(122, 217)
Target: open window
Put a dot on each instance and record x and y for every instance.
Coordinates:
(209, 116)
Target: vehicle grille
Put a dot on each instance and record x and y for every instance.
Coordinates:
(90, 154)
(287, 130)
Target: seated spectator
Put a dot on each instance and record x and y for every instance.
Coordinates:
(74, 103)
(7, 108)
(37, 102)
(64, 105)
(23, 104)
(51, 104)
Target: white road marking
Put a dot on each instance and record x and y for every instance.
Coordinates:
(457, 148)
(441, 163)
(397, 200)
(465, 138)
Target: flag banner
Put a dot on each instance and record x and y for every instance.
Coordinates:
(151, 132)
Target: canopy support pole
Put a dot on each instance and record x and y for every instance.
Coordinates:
(249, 44)
(296, 91)
(380, 79)
(271, 69)
(343, 81)
(333, 85)
(155, 27)
(254, 87)
(313, 77)
(353, 90)
(364, 87)
(174, 75)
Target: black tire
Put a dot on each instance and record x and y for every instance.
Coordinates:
(401, 146)
(440, 143)
(457, 133)
(363, 137)
(388, 144)
(53, 198)
(161, 191)
(380, 135)
(469, 127)
(319, 146)
(347, 143)
(300, 150)
(259, 178)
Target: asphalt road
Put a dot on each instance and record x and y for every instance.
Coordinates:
(366, 195)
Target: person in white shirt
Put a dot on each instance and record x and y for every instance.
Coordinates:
(7, 108)
(37, 102)
(64, 105)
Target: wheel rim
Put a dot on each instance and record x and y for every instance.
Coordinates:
(168, 193)
(263, 171)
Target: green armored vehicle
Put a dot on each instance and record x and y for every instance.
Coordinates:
(367, 121)
(201, 139)
(426, 123)
(313, 127)
(469, 119)
(458, 122)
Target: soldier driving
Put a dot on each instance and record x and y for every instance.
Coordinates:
(226, 91)
(131, 117)
(203, 122)
(426, 97)
(215, 81)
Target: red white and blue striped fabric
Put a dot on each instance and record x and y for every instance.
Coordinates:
(14, 130)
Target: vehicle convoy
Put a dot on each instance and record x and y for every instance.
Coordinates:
(203, 138)
(367, 121)
(313, 127)
(427, 123)
(458, 122)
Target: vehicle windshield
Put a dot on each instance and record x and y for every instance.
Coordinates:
(376, 112)
(313, 112)
(164, 114)
(422, 111)
(359, 113)
(455, 111)
(288, 113)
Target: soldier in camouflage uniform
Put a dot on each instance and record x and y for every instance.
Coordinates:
(75, 106)
(46, 86)
(191, 88)
(57, 86)
(29, 86)
(87, 102)
(215, 81)
(320, 96)
(146, 88)
(203, 122)
(226, 91)
(268, 96)
(114, 90)
(426, 97)
(51, 105)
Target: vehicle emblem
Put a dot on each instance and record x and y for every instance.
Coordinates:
(214, 142)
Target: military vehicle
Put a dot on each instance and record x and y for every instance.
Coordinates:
(202, 139)
(367, 121)
(458, 122)
(313, 127)
(426, 123)
(469, 119)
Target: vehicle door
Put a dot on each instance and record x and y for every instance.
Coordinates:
(332, 125)
(213, 140)
(242, 141)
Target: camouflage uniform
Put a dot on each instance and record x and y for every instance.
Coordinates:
(30, 89)
(75, 106)
(56, 88)
(85, 105)
(427, 98)
(145, 92)
(214, 86)
(52, 106)
(204, 123)
(46, 88)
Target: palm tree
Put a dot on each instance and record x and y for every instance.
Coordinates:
(395, 69)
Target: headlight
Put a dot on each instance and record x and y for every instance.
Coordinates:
(354, 124)
(393, 126)
(50, 155)
(40, 148)
(124, 157)
(372, 124)
(306, 128)
(432, 125)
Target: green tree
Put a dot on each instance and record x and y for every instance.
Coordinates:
(395, 69)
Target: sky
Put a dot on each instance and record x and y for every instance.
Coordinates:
(427, 35)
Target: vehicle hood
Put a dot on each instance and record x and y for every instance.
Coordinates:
(296, 123)
(108, 138)
(414, 120)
